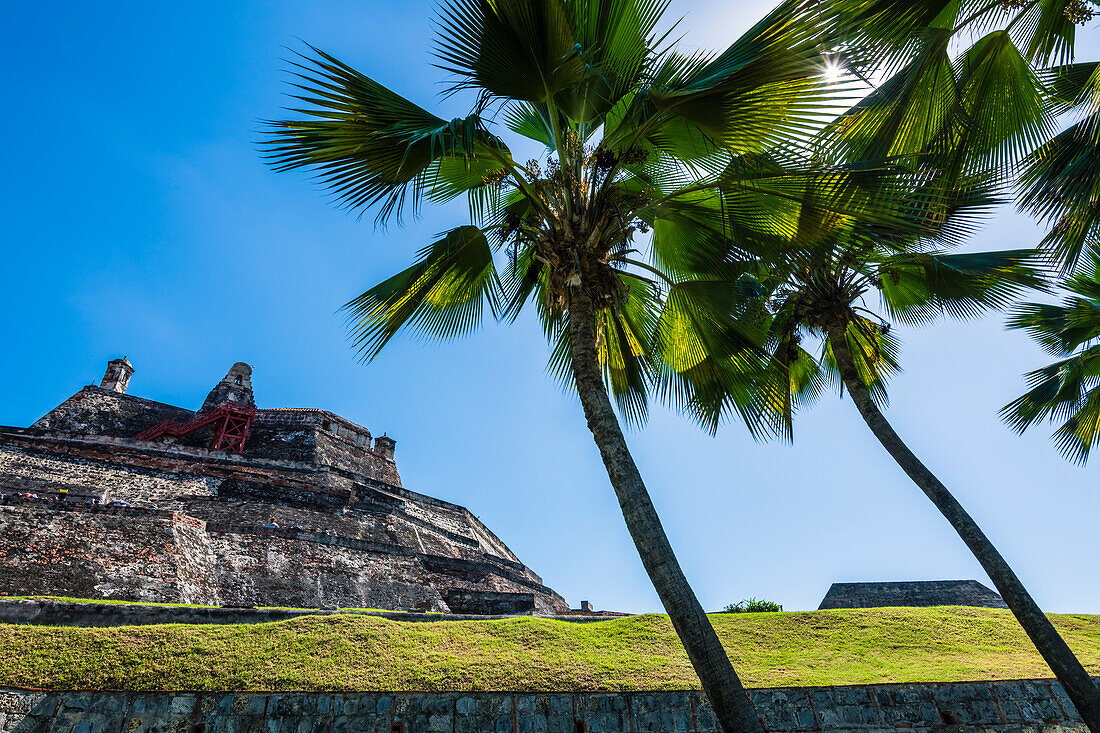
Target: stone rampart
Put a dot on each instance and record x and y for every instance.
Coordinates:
(144, 554)
(104, 552)
(911, 593)
(990, 707)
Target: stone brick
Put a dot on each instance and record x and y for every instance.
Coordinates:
(604, 713)
(705, 720)
(424, 713)
(545, 713)
(845, 708)
(966, 703)
(907, 706)
(485, 713)
(916, 708)
(662, 713)
(1026, 701)
(786, 708)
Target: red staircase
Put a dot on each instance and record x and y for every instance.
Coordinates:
(231, 423)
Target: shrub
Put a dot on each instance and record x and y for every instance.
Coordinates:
(752, 605)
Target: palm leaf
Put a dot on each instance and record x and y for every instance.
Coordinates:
(1068, 390)
(368, 145)
(709, 338)
(441, 295)
(919, 286)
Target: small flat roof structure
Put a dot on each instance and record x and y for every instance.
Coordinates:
(911, 593)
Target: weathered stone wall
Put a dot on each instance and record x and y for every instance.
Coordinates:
(26, 470)
(354, 525)
(322, 438)
(911, 593)
(44, 612)
(97, 411)
(196, 562)
(311, 514)
(345, 453)
(256, 566)
(104, 552)
(221, 552)
(990, 707)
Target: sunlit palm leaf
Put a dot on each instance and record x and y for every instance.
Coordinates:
(1068, 390)
(710, 337)
(442, 295)
(1001, 112)
(1060, 184)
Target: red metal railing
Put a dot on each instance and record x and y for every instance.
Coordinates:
(231, 423)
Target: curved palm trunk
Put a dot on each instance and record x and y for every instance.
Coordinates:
(1076, 681)
(727, 696)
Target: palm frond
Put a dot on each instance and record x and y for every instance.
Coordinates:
(1060, 184)
(919, 286)
(366, 144)
(710, 338)
(1068, 391)
(442, 295)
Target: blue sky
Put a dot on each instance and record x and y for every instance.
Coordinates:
(139, 220)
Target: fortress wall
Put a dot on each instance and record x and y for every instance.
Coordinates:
(154, 555)
(98, 411)
(195, 562)
(343, 452)
(320, 437)
(451, 520)
(357, 525)
(255, 567)
(1023, 706)
(257, 488)
(42, 472)
(911, 593)
(467, 578)
(267, 439)
(101, 552)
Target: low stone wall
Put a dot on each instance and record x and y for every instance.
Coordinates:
(1008, 707)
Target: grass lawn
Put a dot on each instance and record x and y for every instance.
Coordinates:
(632, 653)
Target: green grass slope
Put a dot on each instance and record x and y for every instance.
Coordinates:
(632, 653)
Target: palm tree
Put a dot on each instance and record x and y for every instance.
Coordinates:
(1069, 389)
(970, 93)
(635, 136)
(817, 289)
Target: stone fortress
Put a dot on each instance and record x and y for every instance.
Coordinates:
(119, 497)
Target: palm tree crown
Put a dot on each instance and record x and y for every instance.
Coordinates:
(637, 138)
